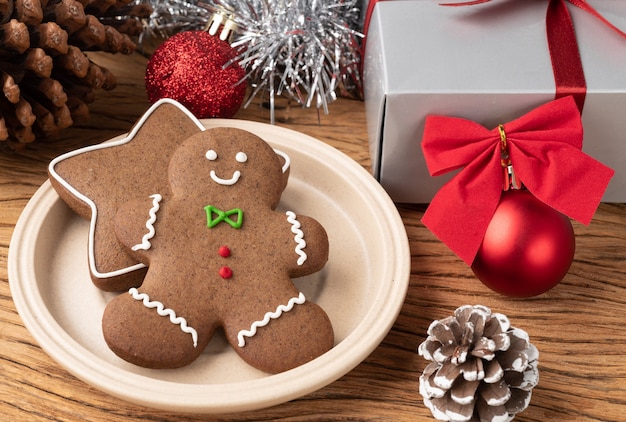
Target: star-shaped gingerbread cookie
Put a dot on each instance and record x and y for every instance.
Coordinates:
(93, 182)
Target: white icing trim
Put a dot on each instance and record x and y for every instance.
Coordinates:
(299, 236)
(268, 316)
(226, 182)
(286, 157)
(163, 311)
(90, 203)
(145, 241)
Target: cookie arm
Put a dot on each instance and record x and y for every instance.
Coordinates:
(135, 224)
(310, 244)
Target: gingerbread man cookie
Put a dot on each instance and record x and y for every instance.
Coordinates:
(211, 249)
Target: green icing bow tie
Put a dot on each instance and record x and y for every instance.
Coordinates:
(214, 216)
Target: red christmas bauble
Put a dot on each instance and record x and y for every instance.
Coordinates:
(527, 249)
(189, 68)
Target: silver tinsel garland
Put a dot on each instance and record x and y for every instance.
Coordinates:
(169, 17)
(305, 50)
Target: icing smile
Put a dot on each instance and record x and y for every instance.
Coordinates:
(226, 182)
(241, 157)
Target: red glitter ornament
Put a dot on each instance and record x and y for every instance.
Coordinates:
(528, 247)
(189, 68)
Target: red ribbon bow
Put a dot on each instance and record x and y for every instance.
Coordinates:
(568, 71)
(544, 148)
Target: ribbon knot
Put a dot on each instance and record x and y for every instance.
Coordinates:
(215, 216)
(510, 181)
(544, 149)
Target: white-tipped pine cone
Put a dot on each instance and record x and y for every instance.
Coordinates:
(481, 369)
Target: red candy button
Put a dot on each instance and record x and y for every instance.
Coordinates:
(224, 251)
(225, 272)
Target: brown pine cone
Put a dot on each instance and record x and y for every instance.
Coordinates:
(481, 369)
(47, 79)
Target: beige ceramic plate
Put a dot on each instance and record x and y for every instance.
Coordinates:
(362, 288)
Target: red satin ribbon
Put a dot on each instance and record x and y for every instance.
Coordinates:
(569, 76)
(545, 150)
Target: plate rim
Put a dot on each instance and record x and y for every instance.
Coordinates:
(250, 394)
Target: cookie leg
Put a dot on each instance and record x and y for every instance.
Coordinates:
(145, 332)
(290, 340)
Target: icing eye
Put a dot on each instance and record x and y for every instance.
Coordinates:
(211, 155)
(241, 157)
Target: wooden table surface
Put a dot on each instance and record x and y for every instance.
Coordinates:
(578, 326)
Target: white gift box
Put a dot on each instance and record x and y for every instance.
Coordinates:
(489, 63)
